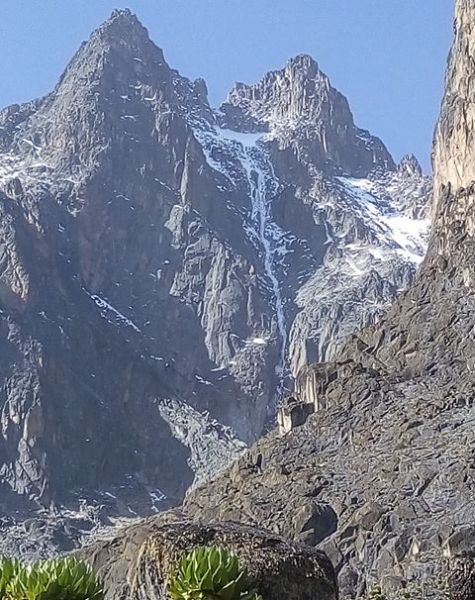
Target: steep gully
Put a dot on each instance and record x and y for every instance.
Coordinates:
(263, 187)
(261, 212)
(270, 241)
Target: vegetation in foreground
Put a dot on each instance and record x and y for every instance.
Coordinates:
(211, 573)
(57, 579)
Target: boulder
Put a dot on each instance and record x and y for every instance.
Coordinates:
(136, 564)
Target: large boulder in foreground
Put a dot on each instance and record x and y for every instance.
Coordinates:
(136, 564)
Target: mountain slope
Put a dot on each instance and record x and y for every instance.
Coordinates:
(381, 475)
(162, 266)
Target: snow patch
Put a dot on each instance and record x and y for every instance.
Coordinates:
(201, 380)
(109, 312)
(393, 229)
(234, 155)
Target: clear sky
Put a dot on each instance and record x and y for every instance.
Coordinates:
(387, 56)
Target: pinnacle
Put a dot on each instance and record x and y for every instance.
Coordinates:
(304, 62)
(122, 22)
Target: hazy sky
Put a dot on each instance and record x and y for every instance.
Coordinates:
(387, 56)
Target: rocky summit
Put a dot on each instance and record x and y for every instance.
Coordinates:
(168, 269)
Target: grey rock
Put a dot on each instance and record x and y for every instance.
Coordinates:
(308, 117)
(136, 565)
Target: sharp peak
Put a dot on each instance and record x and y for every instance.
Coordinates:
(122, 29)
(121, 23)
(410, 157)
(305, 61)
(121, 34)
(410, 165)
(123, 15)
(304, 65)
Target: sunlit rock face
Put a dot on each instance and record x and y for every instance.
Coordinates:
(453, 159)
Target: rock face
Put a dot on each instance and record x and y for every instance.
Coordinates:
(166, 269)
(388, 450)
(300, 100)
(462, 580)
(136, 564)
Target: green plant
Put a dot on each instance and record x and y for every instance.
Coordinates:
(9, 568)
(58, 579)
(376, 594)
(210, 573)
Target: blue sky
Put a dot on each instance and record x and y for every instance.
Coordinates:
(387, 56)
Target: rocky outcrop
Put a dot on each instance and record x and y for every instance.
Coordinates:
(136, 565)
(389, 444)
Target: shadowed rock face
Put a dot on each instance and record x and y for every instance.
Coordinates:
(138, 563)
(390, 448)
(166, 269)
(462, 580)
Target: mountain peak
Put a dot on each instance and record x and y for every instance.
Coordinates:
(304, 63)
(121, 29)
(122, 13)
(298, 105)
(409, 165)
(113, 69)
(121, 40)
(124, 19)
